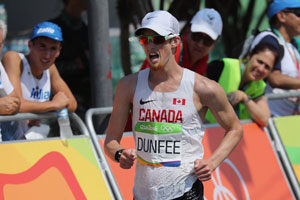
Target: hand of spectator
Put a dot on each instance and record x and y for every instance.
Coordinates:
(34, 122)
(9, 105)
(127, 158)
(236, 97)
(60, 100)
(202, 170)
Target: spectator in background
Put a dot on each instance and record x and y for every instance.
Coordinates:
(284, 16)
(243, 80)
(34, 76)
(9, 100)
(198, 40)
(73, 61)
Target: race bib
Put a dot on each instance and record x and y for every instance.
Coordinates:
(158, 144)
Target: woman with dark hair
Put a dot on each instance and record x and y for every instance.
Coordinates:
(243, 81)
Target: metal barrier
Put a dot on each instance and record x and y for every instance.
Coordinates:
(288, 94)
(104, 164)
(279, 146)
(113, 169)
(50, 115)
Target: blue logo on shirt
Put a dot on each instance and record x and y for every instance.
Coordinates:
(39, 94)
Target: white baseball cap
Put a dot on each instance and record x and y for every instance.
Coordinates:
(207, 21)
(160, 21)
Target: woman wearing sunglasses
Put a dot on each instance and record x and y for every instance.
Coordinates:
(168, 104)
(243, 80)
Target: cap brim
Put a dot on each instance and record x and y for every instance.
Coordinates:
(48, 36)
(204, 29)
(156, 29)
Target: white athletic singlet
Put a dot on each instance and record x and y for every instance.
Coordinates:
(33, 89)
(5, 85)
(168, 133)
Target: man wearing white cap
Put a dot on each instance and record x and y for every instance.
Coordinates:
(284, 18)
(198, 40)
(168, 103)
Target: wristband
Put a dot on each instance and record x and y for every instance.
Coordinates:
(249, 99)
(118, 155)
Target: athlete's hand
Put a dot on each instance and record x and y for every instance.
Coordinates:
(127, 158)
(202, 170)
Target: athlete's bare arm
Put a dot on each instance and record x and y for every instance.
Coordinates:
(212, 96)
(121, 107)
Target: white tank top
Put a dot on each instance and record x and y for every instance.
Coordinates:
(5, 85)
(33, 89)
(168, 133)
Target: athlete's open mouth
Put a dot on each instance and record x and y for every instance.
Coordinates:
(153, 56)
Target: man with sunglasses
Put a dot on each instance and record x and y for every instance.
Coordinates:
(199, 39)
(35, 76)
(169, 104)
(284, 18)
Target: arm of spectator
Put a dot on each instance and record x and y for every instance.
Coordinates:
(258, 108)
(278, 80)
(13, 66)
(9, 104)
(63, 96)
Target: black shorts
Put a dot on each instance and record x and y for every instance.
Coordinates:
(195, 193)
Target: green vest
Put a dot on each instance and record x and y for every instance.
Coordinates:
(230, 80)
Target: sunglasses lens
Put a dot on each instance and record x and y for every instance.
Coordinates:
(143, 40)
(158, 39)
(155, 39)
(207, 41)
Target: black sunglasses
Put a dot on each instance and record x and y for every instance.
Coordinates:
(207, 41)
(295, 11)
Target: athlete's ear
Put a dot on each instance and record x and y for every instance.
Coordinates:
(175, 41)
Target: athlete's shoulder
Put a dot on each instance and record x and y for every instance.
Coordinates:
(206, 87)
(128, 82)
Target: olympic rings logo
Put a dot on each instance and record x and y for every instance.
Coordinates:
(166, 128)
